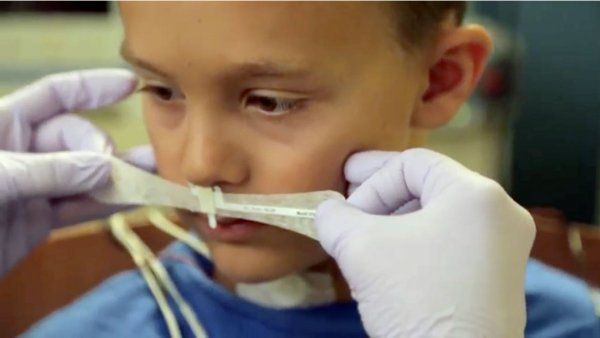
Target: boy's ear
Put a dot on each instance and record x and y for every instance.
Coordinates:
(458, 61)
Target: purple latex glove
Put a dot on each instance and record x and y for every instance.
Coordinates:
(428, 247)
(49, 158)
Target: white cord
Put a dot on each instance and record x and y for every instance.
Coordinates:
(155, 275)
(159, 220)
(118, 228)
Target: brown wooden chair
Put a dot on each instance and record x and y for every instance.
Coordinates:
(70, 263)
(569, 246)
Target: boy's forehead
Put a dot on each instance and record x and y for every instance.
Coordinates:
(285, 17)
(300, 34)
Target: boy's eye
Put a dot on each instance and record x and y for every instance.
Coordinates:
(161, 93)
(269, 104)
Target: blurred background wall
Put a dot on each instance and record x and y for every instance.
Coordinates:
(555, 133)
(59, 38)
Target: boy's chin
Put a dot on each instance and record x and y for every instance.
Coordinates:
(241, 264)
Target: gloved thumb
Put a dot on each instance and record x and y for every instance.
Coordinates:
(400, 182)
(70, 132)
(336, 221)
(77, 90)
(141, 157)
(51, 175)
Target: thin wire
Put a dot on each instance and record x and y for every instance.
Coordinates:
(136, 246)
(164, 280)
(118, 227)
(159, 220)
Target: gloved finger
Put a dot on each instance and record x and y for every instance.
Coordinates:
(70, 132)
(410, 206)
(335, 221)
(141, 157)
(78, 90)
(82, 208)
(412, 174)
(51, 175)
(363, 165)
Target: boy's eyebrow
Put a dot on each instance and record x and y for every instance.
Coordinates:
(265, 68)
(260, 68)
(128, 56)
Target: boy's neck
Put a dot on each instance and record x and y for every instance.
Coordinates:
(342, 291)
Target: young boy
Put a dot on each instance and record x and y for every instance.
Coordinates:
(273, 98)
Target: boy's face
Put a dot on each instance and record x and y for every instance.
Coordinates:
(268, 98)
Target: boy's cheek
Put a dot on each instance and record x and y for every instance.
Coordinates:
(309, 167)
(167, 152)
(313, 160)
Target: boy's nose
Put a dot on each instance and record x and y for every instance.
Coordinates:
(211, 158)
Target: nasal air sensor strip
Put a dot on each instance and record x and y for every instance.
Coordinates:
(133, 186)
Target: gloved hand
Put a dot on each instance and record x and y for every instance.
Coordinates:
(49, 157)
(428, 247)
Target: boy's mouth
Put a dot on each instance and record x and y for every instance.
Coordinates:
(228, 229)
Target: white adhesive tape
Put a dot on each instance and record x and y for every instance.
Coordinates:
(206, 198)
(294, 212)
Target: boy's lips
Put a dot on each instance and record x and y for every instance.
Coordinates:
(228, 229)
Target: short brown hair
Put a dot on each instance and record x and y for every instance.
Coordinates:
(417, 22)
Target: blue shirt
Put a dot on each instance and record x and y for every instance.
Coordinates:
(558, 305)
